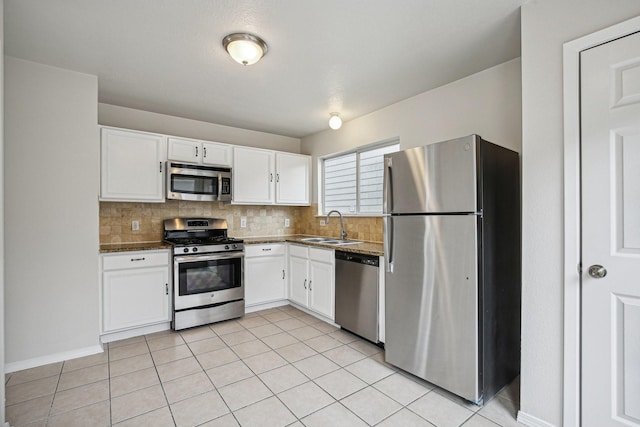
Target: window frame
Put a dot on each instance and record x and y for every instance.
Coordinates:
(357, 151)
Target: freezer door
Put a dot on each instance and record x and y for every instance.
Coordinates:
(435, 178)
(432, 300)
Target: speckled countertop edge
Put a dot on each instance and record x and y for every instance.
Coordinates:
(368, 248)
(130, 247)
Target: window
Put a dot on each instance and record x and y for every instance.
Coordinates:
(352, 182)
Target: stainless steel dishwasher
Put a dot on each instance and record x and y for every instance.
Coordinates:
(357, 294)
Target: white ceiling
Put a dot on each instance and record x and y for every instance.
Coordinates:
(351, 56)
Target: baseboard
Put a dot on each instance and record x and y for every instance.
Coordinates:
(136, 332)
(258, 307)
(313, 313)
(52, 358)
(531, 421)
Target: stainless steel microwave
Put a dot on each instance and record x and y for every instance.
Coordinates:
(188, 181)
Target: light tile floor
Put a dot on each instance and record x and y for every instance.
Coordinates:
(276, 367)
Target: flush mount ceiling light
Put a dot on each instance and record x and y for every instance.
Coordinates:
(244, 48)
(335, 122)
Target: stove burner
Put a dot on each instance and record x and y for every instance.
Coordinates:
(201, 235)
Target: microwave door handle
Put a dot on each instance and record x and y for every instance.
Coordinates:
(219, 185)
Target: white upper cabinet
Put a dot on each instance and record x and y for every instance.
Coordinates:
(204, 152)
(132, 166)
(270, 177)
(253, 176)
(292, 179)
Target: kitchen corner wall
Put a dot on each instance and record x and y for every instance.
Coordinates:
(368, 228)
(116, 218)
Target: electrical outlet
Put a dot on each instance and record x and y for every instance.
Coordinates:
(243, 222)
(286, 222)
(135, 225)
(322, 223)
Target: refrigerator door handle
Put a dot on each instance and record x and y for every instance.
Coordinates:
(387, 201)
(388, 241)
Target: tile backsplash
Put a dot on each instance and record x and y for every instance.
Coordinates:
(360, 228)
(116, 219)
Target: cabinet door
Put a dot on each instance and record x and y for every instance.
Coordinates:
(214, 153)
(253, 177)
(132, 166)
(293, 173)
(298, 281)
(135, 297)
(321, 288)
(184, 150)
(264, 279)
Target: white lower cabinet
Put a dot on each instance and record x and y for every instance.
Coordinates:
(312, 279)
(264, 273)
(136, 289)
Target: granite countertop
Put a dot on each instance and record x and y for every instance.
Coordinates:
(369, 248)
(128, 247)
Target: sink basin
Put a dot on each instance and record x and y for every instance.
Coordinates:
(330, 241)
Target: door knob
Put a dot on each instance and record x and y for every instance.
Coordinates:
(597, 271)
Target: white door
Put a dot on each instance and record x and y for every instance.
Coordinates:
(184, 150)
(132, 166)
(610, 126)
(321, 288)
(292, 179)
(253, 177)
(264, 279)
(298, 280)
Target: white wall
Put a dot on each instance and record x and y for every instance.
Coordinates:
(2, 311)
(113, 115)
(486, 103)
(546, 25)
(51, 214)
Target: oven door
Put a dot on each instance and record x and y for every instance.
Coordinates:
(207, 279)
(200, 183)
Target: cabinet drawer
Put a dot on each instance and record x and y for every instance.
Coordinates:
(270, 249)
(322, 255)
(299, 251)
(135, 260)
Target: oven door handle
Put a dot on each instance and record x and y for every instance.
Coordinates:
(207, 257)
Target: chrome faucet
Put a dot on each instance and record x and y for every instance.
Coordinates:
(343, 234)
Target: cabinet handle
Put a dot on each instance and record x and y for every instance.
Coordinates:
(204, 151)
(137, 259)
(160, 167)
(282, 274)
(277, 177)
(270, 177)
(196, 151)
(305, 283)
(166, 289)
(310, 285)
(266, 249)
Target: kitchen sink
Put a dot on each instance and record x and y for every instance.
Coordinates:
(330, 241)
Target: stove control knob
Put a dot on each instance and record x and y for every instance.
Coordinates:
(235, 246)
(226, 246)
(195, 249)
(185, 250)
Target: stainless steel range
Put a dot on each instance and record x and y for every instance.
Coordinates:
(208, 271)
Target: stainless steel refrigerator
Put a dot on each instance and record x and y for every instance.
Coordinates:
(452, 246)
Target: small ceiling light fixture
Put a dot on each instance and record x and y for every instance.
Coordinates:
(245, 48)
(335, 122)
